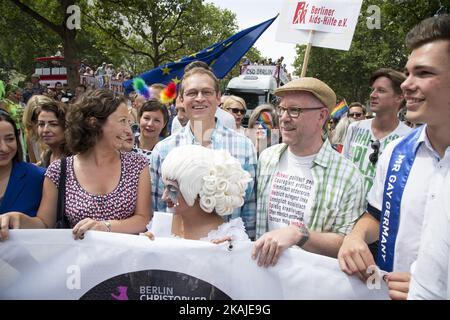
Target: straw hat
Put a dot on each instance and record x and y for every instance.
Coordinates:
(318, 88)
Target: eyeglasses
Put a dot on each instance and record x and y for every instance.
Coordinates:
(294, 112)
(237, 110)
(355, 115)
(373, 157)
(206, 93)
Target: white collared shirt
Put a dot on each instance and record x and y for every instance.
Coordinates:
(430, 278)
(420, 188)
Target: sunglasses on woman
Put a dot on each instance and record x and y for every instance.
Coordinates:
(237, 110)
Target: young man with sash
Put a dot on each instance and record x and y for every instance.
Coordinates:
(411, 169)
(430, 278)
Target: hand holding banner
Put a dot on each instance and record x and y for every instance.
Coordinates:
(50, 264)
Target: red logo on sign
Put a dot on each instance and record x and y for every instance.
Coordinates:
(300, 13)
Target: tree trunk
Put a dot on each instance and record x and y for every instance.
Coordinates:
(70, 46)
(71, 59)
(67, 36)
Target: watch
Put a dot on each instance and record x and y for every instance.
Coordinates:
(304, 231)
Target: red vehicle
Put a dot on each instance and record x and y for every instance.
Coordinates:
(51, 70)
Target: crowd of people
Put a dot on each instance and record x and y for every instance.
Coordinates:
(372, 193)
(105, 69)
(60, 90)
(265, 62)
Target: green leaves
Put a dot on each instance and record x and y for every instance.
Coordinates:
(348, 72)
(135, 34)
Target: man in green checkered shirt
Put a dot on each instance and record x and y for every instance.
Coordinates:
(307, 193)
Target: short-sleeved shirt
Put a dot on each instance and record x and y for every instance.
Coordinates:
(119, 204)
(430, 278)
(142, 152)
(357, 146)
(419, 189)
(338, 198)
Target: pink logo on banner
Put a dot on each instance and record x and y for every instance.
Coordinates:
(300, 13)
(122, 293)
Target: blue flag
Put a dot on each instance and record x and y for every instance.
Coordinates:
(221, 57)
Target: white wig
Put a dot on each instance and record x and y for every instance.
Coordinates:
(213, 175)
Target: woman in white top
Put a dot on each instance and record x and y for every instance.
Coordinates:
(202, 187)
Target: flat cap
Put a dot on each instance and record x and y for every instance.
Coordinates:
(35, 75)
(318, 88)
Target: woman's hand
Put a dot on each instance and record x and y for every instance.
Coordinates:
(87, 224)
(149, 235)
(10, 220)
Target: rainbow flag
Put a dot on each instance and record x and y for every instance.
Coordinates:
(339, 110)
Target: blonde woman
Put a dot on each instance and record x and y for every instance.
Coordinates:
(236, 107)
(29, 120)
(51, 124)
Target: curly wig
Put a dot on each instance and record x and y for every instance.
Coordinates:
(213, 176)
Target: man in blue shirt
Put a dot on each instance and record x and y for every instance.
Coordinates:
(200, 95)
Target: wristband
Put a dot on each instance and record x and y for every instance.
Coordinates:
(107, 224)
(304, 231)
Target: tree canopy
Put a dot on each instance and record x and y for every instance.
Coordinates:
(348, 72)
(137, 34)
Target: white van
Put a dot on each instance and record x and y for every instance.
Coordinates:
(256, 85)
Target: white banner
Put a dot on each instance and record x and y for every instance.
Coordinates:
(274, 71)
(49, 264)
(334, 22)
(324, 15)
(260, 70)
